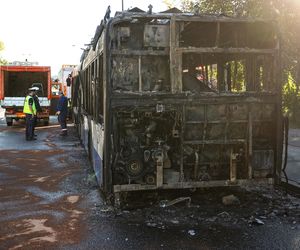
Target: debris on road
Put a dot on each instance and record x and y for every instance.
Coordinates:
(255, 221)
(156, 225)
(175, 221)
(166, 203)
(192, 232)
(230, 200)
(107, 209)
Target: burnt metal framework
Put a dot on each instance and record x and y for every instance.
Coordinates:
(174, 100)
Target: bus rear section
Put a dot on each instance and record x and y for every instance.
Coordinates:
(182, 101)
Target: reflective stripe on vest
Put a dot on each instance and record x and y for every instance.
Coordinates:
(26, 108)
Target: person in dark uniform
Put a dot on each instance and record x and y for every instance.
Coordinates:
(37, 105)
(69, 84)
(62, 112)
(69, 80)
(29, 110)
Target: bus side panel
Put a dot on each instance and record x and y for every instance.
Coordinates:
(85, 132)
(97, 150)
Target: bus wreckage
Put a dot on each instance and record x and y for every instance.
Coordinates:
(176, 100)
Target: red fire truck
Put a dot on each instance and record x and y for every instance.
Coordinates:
(15, 80)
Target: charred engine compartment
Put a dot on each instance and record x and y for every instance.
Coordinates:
(160, 145)
(145, 140)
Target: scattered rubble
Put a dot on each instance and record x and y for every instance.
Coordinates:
(230, 200)
(212, 209)
(166, 203)
(255, 221)
(192, 232)
(107, 209)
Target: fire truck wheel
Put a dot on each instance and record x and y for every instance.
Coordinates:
(46, 122)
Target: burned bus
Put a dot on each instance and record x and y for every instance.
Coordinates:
(178, 100)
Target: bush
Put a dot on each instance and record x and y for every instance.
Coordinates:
(291, 100)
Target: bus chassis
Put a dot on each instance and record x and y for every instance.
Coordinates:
(177, 100)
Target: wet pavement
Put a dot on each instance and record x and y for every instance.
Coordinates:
(40, 189)
(49, 200)
(293, 163)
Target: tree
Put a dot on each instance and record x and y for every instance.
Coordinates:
(171, 3)
(1, 46)
(2, 61)
(285, 12)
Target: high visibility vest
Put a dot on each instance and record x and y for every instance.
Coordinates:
(26, 108)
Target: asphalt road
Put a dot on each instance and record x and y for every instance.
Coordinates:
(49, 200)
(293, 163)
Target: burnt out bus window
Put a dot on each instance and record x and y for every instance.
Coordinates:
(86, 90)
(125, 73)
(100, 90)
(238, 73)
(92, 89)
(258, 35)
(141, 73)
(155, 73)
(199, 73)
(89, 89)
(96, 83)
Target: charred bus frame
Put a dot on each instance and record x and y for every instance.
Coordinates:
(177, 100)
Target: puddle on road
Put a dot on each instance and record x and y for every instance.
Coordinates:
(9, 167)
(49, 213)
(57, 216)
(26, 159)
(33, 226)
(42, 179)
(13, 151)
(47, 196)
(51, 145)
(7, 205)
(73, 198)
(38, 226)
(75, 216)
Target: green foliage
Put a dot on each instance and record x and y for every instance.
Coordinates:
(170, 3)
(291, 98)
(253, 8)
(238, 71)
(1, 46)
(2, 61)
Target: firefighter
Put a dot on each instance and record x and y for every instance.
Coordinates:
(29, 110)
(62, 113)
